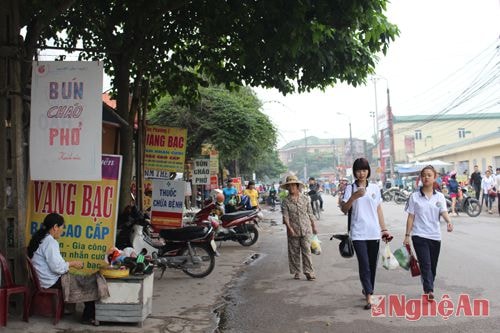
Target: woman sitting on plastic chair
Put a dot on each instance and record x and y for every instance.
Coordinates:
(45, 255)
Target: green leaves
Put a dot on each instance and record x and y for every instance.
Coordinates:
(230, 120)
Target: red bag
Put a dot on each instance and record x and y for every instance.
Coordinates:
(414, 267)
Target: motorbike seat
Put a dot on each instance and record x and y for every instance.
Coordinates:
(236, 215)
(184, 234)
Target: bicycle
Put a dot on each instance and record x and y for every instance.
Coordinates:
(315, 204)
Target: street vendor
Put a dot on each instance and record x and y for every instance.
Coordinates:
(50, 266)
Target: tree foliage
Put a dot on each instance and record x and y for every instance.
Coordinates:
(176, 46)
(230, 120)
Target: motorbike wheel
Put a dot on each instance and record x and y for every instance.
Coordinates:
(253, 235)
(473, 207)
(386, 197)
(399, 198)
(207, 264)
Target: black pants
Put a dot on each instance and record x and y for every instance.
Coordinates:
(367, 254)
(477, 189)
(498, 198)
(427, 251)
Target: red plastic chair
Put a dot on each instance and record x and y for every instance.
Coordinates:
(9, 288)
(45, 301)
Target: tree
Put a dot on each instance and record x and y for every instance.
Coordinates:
(269, 167)
(291, 45)
(230, 120)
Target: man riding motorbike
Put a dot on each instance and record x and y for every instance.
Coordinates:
(315, 190)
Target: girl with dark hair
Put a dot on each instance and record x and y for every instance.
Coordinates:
(424, 208)
(45, 255)
(453, 191)
(362, 200)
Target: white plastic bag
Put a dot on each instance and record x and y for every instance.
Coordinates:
(389, 261)
(315, 245)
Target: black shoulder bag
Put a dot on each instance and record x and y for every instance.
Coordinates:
(346, 248)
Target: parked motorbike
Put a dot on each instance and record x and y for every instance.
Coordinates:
(239, 226)
(467, 204)
(401, 196)
(388, 194)
(191, 249)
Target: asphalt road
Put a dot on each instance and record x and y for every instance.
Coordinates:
(251, 290)
(265, 298)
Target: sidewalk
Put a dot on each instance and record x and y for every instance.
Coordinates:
(180, 303)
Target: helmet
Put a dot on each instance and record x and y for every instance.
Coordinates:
(453, 173)
(219, 197)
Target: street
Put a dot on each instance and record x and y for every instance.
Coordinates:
(251, 290)
(267, 299)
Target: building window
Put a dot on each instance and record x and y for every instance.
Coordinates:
(461, 133)
(418, 135)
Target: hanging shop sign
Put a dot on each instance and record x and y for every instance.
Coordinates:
(167, 203)
(201, 171)
(66, 120)
(90, 211)
(165, 151)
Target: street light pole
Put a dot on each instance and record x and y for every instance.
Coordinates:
(350, 141)
(375, 139)
(351, 153)
(305, 154)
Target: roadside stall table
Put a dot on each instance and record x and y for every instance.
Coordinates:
(130, 300)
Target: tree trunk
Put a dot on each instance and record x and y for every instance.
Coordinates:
(126, 132)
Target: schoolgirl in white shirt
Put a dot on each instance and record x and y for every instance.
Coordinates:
(367, 224)
(424, 209)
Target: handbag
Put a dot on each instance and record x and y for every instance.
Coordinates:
(492, 193)
(346, 248)
(414, 267)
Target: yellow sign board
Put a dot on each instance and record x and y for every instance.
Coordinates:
(90, 211)
(165, 150)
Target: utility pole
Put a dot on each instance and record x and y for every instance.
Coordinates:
(390, 119)
(350, 141)
(305, 154)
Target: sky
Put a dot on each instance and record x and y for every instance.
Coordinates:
(444, 48)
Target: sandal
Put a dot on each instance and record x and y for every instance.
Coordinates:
(296, 276)
(368, 306)
(310, 277)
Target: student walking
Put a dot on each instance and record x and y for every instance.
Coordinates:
(424, 209)
(364, 200)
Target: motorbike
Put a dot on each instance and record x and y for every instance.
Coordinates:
(315, 197)
(467, 204)
(239, 226)
(388, 194)
(191, 249)
(401, 196)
